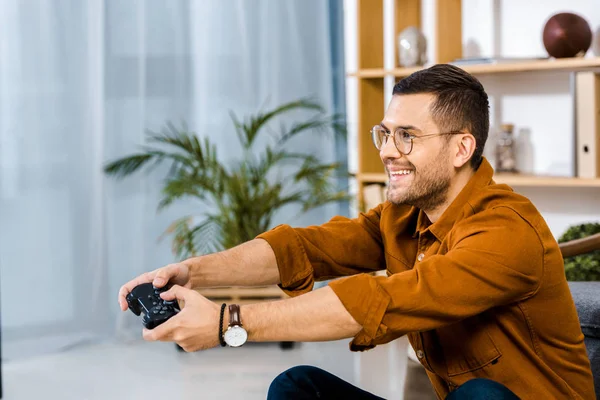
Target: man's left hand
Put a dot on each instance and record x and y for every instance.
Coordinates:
(195, 327)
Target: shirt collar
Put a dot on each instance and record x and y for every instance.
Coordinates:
(482, 177)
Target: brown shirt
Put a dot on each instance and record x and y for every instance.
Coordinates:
(481, 293)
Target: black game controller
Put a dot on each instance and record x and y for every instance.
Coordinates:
(145, 298)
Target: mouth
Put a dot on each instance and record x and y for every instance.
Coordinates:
(398, 175)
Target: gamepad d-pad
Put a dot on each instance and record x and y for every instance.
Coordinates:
(145, 299)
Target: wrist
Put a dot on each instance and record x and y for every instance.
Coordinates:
(249, 320)
(235, 333)
(192, 265)
(225, 324)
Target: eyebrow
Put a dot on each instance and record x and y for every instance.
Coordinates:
(405, 127)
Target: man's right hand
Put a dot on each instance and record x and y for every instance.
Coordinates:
(176, 274)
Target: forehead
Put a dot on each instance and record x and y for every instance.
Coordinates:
(409, 110)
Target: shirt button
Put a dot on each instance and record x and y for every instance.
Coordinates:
(420, 353)
(420, 257)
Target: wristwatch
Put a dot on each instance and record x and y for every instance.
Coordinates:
(235, 335)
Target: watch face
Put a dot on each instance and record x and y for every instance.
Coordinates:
(235, 336)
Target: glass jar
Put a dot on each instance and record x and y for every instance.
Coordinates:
(505, 150)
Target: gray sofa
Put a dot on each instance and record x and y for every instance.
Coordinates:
(587, 300)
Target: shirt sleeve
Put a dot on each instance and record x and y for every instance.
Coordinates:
(340, 247)
(496, 258)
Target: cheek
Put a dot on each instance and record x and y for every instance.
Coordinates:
(438, 157)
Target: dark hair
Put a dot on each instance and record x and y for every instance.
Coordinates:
(461, 102)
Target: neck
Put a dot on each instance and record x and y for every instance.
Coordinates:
(458, 182)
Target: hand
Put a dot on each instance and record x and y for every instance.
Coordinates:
(178, 274)
(194, 328)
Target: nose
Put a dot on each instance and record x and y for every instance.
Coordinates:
(388, 150)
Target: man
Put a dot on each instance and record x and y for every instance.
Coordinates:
(475, 277)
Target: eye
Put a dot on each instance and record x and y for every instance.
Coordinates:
(403, 135)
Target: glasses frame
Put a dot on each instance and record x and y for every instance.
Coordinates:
(410, 135)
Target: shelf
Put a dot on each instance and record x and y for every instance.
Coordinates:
(562, 64)
(372, 178)
(544, 181)
(510, 179)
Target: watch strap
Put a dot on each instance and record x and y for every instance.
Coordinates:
(234, 315)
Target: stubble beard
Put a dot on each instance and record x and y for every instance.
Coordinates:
(428, 189)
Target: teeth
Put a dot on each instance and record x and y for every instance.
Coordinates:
(403, 172)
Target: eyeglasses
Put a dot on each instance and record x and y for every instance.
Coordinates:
(403, 139)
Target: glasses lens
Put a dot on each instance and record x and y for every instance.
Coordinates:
(403, 141)
(378, 135)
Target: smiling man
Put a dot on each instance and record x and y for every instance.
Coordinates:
(475, 278)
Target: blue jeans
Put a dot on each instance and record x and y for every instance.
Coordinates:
(307, 383)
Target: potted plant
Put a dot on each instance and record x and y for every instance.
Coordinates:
(244, 195)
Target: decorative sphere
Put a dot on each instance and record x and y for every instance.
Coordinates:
(412, 47)
(567, 35)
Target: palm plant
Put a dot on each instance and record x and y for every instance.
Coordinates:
(242, 197)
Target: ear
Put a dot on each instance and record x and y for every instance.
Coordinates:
(464, 149)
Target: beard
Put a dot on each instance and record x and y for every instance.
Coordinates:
(429, 187)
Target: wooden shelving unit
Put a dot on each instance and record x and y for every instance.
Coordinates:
(371, 75)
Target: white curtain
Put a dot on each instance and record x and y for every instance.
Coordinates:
(80, 82)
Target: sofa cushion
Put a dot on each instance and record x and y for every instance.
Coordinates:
(586, 296)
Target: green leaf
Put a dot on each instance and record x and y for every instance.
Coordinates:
(251, 129)
(206, 236)
(182, 244)
(122, 167)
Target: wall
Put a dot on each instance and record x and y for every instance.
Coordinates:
(539, 104)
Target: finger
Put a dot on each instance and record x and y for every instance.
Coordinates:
(165, 274)
(177, 292)
(187, 348)
(128, 287)
(163, 332)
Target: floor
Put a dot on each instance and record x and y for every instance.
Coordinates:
(143, 370)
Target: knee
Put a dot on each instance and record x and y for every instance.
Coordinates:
(290, 380)
(481, 388)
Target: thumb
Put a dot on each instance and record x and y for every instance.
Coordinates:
(176, 292)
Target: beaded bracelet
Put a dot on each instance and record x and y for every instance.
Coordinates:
(221, 340)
